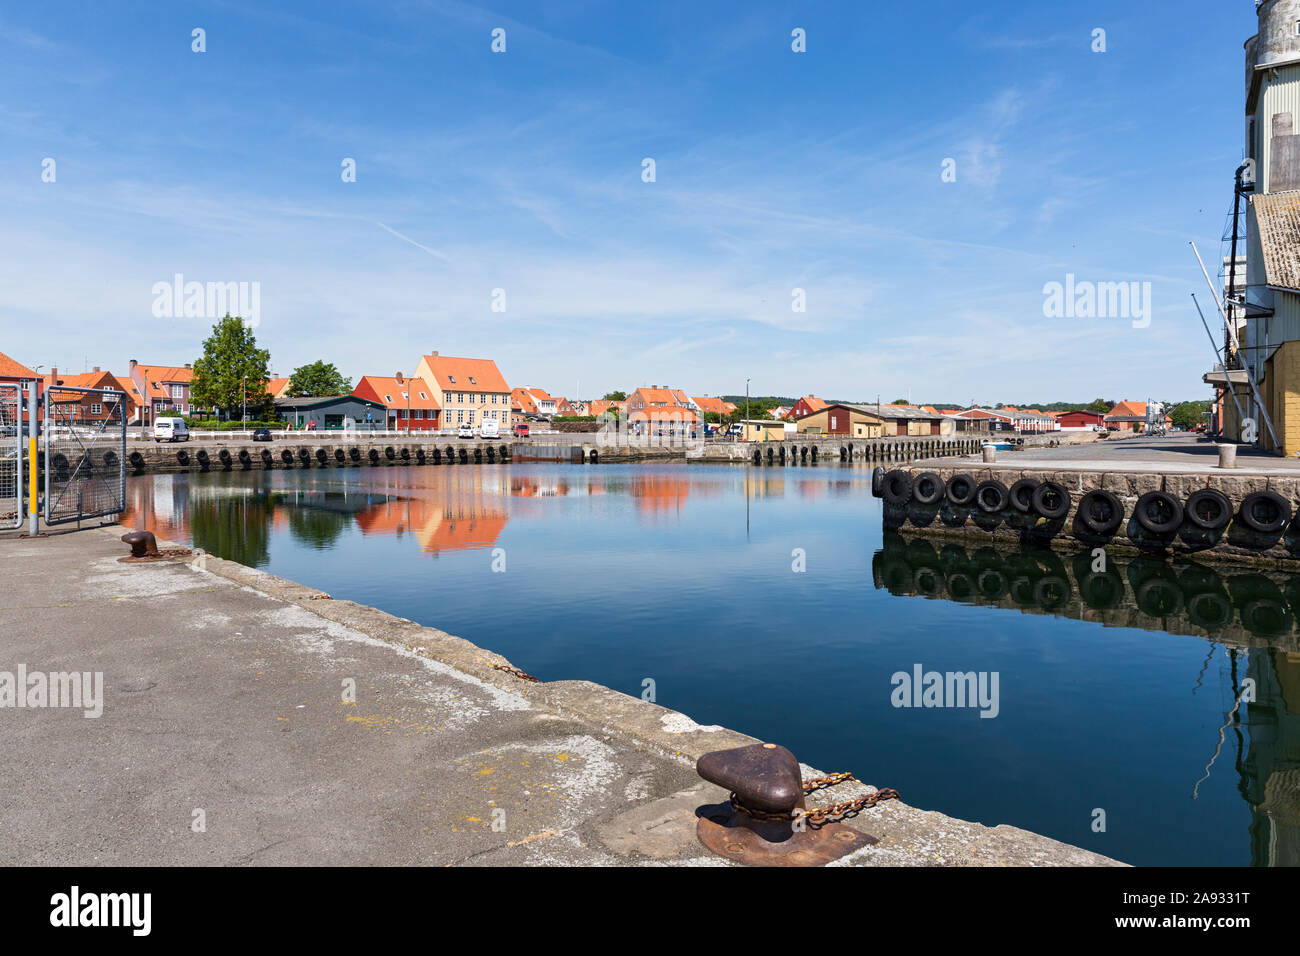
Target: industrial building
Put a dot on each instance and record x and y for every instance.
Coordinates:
(1258, 393)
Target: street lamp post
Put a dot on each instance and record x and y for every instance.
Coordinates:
(745, 427)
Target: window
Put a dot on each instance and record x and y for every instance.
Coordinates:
(451, 379)
(471, 416)
(424, 396)
(471, 380)
(460, 415)
(389, 399)
(178, 391)
(96, 409)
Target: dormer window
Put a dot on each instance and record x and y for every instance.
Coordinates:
(451, 379)
(424, 396)
(388, 398)
(471, 380)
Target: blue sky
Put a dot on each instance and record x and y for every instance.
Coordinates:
(522, 171)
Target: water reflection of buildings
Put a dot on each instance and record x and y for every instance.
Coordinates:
(159, 503)
(1270, 771)
(1252, 614)
(437, 526)
(651, 492)
(233, 516)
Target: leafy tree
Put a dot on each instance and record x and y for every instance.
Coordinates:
(320, 379)
(232, 371)
(899, 401)
(1190, 414)
(614, 397)
(1099, 405)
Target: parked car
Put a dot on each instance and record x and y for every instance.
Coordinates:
(490, 428)
(261, 434)
(465, 431)
(521, 429)
(170, 429)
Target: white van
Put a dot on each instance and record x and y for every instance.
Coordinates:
(170, 429)
(490, 428)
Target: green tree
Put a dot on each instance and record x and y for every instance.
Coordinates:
(1190, 414)
(899, 401)
(320, 379)
(231, 374)
(1099, 405)
(615, 396)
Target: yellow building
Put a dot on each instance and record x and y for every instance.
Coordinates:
(763, 430)
(468, 391)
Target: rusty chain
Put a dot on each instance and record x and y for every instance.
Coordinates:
(517, 673)
(818, 815)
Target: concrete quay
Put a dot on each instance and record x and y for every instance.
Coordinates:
(1131, 471)
(227, 737)
(305, 450)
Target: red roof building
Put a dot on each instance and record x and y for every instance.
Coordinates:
(805, 407)
(715, 405)
(410, 405)
(13, 371)
(1080, 418)
(90, 407)
(161, 389)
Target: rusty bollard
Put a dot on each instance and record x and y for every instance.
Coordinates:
(762, 825)
(143, 544)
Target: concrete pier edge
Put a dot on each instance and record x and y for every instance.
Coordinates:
(909, 836)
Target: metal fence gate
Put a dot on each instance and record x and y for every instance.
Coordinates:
(11, 455)
(85, 453)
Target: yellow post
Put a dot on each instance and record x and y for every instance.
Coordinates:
(33, 521)
(31, 478)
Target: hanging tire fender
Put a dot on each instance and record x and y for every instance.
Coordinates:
(927, 488)
(1265, 511)
(1100, 512)
(1147, 508)
(897, 487)
(1208, 509)
(1021, 495)
(991, 496)
(1051, 500)
(961, 490)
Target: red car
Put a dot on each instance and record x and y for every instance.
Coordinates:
(521, 430)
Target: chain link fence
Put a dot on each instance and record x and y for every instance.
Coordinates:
(11, 455)
(85, 453)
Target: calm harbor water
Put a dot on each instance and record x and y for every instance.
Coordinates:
(1115, 689)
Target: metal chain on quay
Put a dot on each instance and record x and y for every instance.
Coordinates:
(517, 673)
(820, 815)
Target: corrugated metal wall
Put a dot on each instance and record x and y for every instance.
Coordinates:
(1281, 95)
